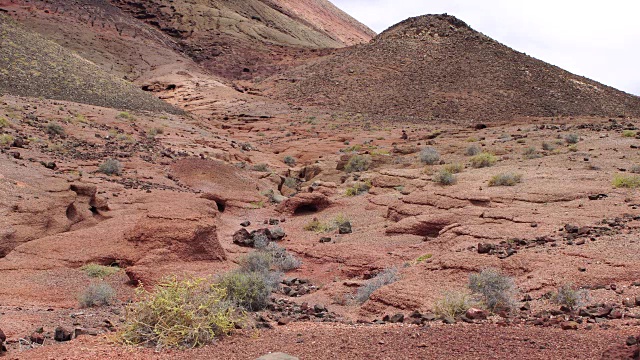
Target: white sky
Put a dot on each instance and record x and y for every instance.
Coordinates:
(596, 39)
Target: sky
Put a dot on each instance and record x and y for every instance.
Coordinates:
(596, 39)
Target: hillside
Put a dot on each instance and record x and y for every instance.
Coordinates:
(242, 39)
(437, 67)
(36, 67)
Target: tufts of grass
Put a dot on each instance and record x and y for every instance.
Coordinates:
(153, 132)
(626, 181)
(358, 188)
(497, 291)
(472, 150)
(248, 290)
(505, 179)
(429, 156)
(180, 314)
(531, 153)
(454, 168)
(99, 271)
(358, 163)
(483, 160)
(4, 123)
(55, 129)
(385, 277)
(6, 140)
(635, 169)
(289, 160)
(572, 138)
(452, 304)
(99, 294)
(547, 146)
(261, 168)
(570, 296)
(629, 133)
(111, 167)
(424, 257)
(445, 178)
(126, 116)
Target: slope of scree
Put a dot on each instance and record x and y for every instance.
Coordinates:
(437, 67)
(33, 66)
(244, 39)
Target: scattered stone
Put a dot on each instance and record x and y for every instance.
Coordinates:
(345, 228)
(284, 321)
(476, 314)
(277, 234)
(449, 320)
(632, 340)
(397, 318)
(62, 334)
(569, 325)
(37, 338)
(325, 240)
(245, 223)
(243, 238)
(571, 229)
(485, 248)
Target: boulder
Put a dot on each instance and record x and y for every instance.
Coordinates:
(62, 334)
(243, 238)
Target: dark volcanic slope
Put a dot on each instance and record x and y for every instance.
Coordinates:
(31, 65)
(437, 67)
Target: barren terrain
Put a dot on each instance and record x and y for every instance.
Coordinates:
(206, 149)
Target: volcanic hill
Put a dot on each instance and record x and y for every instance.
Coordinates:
(436, 67)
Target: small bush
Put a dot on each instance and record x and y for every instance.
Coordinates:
(454, 168)
(358, 188)
(100, 294)
(572, 138)
(547, 146)
(4, 123)
(179, 314)
(152, 133)
(281, 259)
(496, 291)
(629, 133)
(483, 159)
(289, 160)
(54, 129)
(635, 169)
(531, 153)
(261, 168)
(568, 295)
(429, 156)
(249, 290)
(385, 277)
(99, 271)
(445, 178)
(626, 181)
(111, 167)
(126, 115)
(291, 183)
(256, 261)
(573, 148)
(6, 139)
(358, 163)
(505, 179)
(472, 150)
(318, 226)
(452, 304)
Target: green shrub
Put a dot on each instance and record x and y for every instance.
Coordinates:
(629, 133)
(429, 156)
(568, 295)
(452, 304)
(358, 163)
(635, 169)
(54, 129)
(4, 123)
(261, 168)
(531, 153)
(152, 133)
(100, 294)
(626, 181)
(179, 314)
(505, 179)
(318, 226)
(125, 115)
(572, 138)
(249, 290)
(358, 188)
(472, 150)
(454, 168)
(6, 139)
(111, 167)
(256, 261)
(547, 146)
(445, 178)
(495, 290)
(281, 259)
(483, 159)
(385, 277)
(291, 183)
(99, 271)
(289, 160)
(424, 258)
